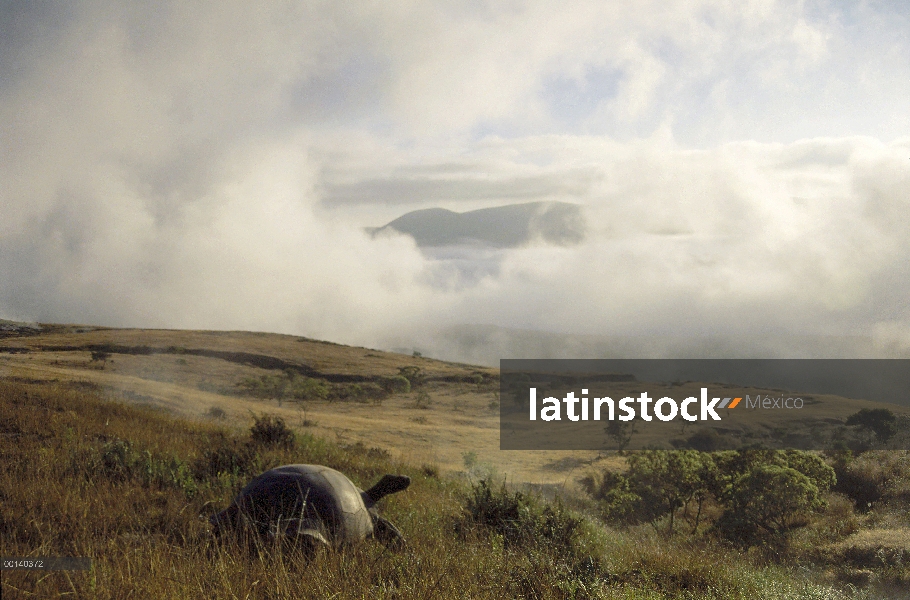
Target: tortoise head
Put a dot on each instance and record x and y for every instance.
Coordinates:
(389, 484)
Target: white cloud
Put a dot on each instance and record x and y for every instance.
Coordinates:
(212, 166)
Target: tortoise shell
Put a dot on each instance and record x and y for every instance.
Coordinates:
(310, 500)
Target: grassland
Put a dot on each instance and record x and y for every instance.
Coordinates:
(121, 459)
(189, 373)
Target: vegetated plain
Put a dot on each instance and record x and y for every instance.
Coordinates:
(118, 444)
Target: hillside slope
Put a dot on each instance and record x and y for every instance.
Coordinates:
(130, 488)
(196, 373)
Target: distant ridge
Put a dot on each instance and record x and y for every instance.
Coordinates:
(509, 226)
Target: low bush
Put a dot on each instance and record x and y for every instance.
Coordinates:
(216, 412)
(223, 455)
(413, 375)
(307, 388)
(359, 392)
(520, 519)
(120, 461)
(768, 501)
(284, 386)
(397, 384)
(271, 431)
(265, 387)
(873, 477)
(423, 400)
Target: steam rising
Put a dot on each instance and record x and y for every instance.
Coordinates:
(739, 168)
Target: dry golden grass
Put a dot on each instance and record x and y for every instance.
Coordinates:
(460, 418)
(130, 487)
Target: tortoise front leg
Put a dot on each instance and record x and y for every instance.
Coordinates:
(388, 534)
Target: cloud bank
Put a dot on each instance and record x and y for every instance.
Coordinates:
(744, 168)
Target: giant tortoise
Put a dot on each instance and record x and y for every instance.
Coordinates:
(311, 505)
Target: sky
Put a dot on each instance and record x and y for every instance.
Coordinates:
(743, 167)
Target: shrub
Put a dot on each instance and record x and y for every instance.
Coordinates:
(216, 412)
(731, 465)
(264, 387)
(667, 481)
(360, 449)
(100, 356)
(658, 484)
(271, 430)
(371, 391)
(423, 400)
(869, 478)
(359, 392)
(520, 519)
(768, 493)
(286, 385)
(173, 472)
(769, 500)
(225, 455)
(812, 466)
(397, 384)
(307, 388)
(120, 461)
(617, 502)
(413, 375)
(469, 459)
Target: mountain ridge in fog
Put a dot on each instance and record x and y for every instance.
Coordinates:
(509, 226)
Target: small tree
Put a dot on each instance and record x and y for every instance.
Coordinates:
(100, 356)
(620, 432)
(881, 421)
(666, 481)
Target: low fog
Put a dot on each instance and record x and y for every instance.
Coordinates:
(743, 172)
